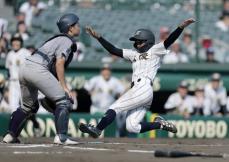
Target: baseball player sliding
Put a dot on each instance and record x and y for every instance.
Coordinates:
(44, 71)
(145, 59)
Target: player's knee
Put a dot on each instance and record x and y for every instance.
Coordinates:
(64, 104)
(30, 108)
(115, 108)
(132, 127)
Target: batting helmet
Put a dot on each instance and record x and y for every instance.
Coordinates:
(66, 21)
(144, 35)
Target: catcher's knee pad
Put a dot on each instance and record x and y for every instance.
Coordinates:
(64, 102)
(132, 126)
(30, 109)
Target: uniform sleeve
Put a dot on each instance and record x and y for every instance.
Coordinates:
(89, 86)
(128, 54)
(42, 5)
(171, 103)
(159, 49)
(64, 48)
(223, 97)
(24, 7)
(206, 107)
(8, 60)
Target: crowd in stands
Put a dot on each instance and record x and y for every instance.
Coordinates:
(209, 99)
(102, 90)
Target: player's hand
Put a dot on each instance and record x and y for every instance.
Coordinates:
(69, 95)
(187, 23)
(92, 32)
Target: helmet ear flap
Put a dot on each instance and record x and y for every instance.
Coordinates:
(135, 45)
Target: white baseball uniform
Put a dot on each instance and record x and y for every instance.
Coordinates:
(103, 92)
(181, 104)
(14, 61)
(139, 98)
(29, 11)
(202, 103)
(217, 97)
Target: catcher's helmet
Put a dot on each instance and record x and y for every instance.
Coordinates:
(66, 21)
(144, 35)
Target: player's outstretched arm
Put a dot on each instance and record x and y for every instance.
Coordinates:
(176, 33)
(107, 45)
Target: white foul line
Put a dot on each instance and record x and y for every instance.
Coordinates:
(40, 152)
(88, 148)
(141, 151)
(30, 146)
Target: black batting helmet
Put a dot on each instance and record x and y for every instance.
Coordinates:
(144, 35)
(66, 21)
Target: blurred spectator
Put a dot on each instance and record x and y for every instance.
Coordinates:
(206, 42)
(80, 53)
(32, 8)
(20, 17)
(3, 47)
(175, 55)
(22, 30)
(4, 105)
(3, 26)
(188, 46)
(217, 94)
(2, 85)
(226, 5)
(223, 23)
(104, 90)
(164, 33)
(3, 29)
(14, 60)
(210, 56)
(201, 104)
(180, 102)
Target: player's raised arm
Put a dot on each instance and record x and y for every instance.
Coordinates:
(107, 45)
(176, 33)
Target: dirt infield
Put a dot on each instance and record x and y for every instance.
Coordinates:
(110, 150)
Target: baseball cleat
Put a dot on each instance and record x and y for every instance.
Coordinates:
(165, 125)
(67, 141)
(8, 138)
(90, 129)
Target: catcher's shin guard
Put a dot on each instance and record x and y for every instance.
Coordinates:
(61, 119)
(17, 122)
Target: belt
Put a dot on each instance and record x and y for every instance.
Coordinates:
(43, 55)
(139, 79)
